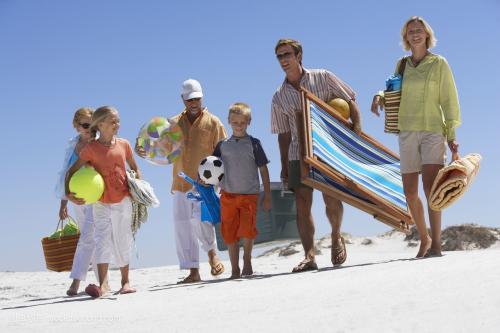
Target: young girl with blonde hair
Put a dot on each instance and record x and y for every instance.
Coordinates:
(81, 213)
(109, 155)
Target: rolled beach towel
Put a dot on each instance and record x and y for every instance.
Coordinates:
(453, 180)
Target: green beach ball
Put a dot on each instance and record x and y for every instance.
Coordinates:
(87, 184)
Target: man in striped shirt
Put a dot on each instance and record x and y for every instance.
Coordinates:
(286, 102)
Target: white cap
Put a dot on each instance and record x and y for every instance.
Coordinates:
(191, 89)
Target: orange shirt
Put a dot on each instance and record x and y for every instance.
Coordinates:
(110, 162)
(200, 139)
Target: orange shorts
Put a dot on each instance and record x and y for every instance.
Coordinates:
(238, 216)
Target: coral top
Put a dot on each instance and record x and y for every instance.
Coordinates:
(110, 162)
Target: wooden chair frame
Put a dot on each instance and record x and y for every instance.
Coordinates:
(381, 209)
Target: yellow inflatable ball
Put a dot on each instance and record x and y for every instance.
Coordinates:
(87, 184)
(341, 106)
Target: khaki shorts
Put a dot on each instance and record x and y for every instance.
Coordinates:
(420, 148)
(294, 176)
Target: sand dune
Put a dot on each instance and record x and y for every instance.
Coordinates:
(379, 289)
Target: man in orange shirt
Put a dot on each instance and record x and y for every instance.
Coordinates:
(202, 131)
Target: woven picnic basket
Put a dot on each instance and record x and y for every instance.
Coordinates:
(59, 252)
(392, 99)
(391, 108)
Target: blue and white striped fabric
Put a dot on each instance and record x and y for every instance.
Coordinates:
(355, 158)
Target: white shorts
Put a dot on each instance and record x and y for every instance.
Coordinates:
(419, 148)
(113, 232)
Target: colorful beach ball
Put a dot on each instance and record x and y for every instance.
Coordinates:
(341, 106)
(156, 126)
(161, 138)
(87, 184)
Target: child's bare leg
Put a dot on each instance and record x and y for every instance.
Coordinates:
(247, 256)
(126, 289)
(73, 289)
(234, 257)
(102, 271)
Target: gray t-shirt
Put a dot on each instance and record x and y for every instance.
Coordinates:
(242, 156)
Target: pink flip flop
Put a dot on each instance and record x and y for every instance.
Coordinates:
(93, 291)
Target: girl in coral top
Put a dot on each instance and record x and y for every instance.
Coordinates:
(109, 155)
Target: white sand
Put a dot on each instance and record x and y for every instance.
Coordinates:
(379, 289)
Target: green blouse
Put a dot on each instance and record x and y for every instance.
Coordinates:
(429, 100)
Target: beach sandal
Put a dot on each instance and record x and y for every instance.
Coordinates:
(93, 291)
(217, 269)
(339, 253)
(189, 279)
(305, 265)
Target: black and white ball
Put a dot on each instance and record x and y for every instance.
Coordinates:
(211, 170)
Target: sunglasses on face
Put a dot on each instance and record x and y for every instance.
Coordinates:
(84, 125)
(284, 55)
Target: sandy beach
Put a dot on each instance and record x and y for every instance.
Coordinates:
(380, 288)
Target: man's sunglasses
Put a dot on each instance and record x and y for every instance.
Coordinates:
(285, 55)
(84, 125)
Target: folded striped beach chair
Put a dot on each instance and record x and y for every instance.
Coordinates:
(355, 169)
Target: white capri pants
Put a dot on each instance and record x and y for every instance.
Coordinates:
(86, 244)
(113, 232)
(189, 230)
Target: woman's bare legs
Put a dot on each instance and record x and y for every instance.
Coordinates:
(410, 186)
(429, 173)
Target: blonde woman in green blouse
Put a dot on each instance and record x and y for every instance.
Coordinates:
(428, 115)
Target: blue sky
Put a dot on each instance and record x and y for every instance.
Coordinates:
(60, 55)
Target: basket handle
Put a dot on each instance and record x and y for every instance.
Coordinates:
(61, 222)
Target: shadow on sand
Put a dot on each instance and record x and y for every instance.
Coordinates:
(82, 297)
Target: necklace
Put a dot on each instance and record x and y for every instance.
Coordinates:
(416, 62)
(105, 143)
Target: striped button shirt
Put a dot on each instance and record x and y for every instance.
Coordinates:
(286, 102)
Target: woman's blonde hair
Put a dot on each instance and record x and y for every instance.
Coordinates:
(82, 113)
(240, 108)
(431, 40)
(99, 116)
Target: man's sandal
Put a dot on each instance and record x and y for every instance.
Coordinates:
(305, 265)
(189, 279)
(339, 253)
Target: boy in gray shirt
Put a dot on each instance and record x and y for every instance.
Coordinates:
(243, 157)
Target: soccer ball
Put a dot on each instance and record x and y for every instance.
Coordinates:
(211, 170)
